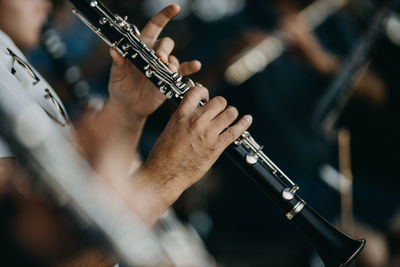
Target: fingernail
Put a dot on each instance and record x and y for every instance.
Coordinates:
(248, 118)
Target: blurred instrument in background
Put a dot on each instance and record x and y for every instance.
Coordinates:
(346, 181)
(342, 181)
(255, 59)
(337, 95)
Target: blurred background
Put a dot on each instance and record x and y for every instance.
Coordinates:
(278, 60)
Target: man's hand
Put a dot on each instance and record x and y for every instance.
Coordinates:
(190, 144)
(132, 98)
(129, 89)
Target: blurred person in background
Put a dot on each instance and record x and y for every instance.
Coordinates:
(32, 231)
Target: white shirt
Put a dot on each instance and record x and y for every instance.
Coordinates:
(18, 77)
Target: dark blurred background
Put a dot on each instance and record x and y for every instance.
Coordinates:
(238, 222)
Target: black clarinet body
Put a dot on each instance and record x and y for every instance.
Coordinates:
(334, 247)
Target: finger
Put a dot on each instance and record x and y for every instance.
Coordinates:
(224, 119)
(173, 64)
(156, 24)
(163, 48)
(192, 99)
(232, 133)
(188, 68)
(118, 68)
(214, 107)
(118, 60)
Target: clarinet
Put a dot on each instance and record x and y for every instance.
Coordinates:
(334, 247)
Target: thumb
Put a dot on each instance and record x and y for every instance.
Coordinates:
(118, 68)
(118, 60)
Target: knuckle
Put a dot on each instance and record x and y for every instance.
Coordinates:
(213, 147)
(192, 93)
(180, 113)
(198, 92)
(204, 136)
(194, 122)
(196, 89)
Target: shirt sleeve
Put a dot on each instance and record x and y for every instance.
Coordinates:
(10, 88)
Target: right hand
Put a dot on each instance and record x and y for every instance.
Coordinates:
(192, 141)
(301, 39)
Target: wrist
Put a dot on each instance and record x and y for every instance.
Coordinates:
(151, 195)
(128, 118)
(167, 187)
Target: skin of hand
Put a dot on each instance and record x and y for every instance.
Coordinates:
(190, 144)
(132, 97)
(193, 140)
(301, 38)
(129, 89)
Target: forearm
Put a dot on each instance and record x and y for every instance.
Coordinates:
(127, 125)
(111, 133)
(150, 194)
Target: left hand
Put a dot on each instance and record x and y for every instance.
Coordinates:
(129, 88)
